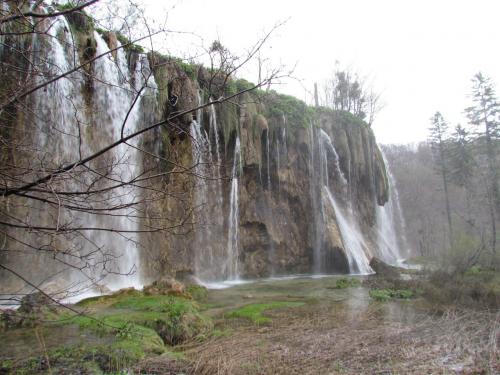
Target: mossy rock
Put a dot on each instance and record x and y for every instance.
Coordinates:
(383, 269)
(132, 313)
(80, 21)
(166, 286)
(197, 292)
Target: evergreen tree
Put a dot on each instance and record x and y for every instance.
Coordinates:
(484, 115)
(438, 140)
(462, 163)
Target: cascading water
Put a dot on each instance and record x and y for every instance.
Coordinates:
(283, 135)
(390, 224)
(278, 150)
(209, 254)
(352, 239)
(232, 268)
(65, 122)
(114, 92)
(213, 133)
(317, 208)
(268, 157)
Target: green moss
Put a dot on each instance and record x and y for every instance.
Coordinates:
(235, 86)
(383, 295)
(144, 319)
(169, 304)
(254, 311)
(198, 292)
(129, 46)
(221, 333)
(107, 300)
(65, 6)
(297, 113)
(346, 282)
(80, 359)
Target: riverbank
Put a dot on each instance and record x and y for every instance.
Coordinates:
(332, 325)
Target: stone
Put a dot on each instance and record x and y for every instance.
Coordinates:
(165, 286)
(383, 269)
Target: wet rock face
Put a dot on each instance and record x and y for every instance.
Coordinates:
(276, 208)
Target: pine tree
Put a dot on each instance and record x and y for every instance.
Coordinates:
(462, 163)
(438, 139)
(484, 115)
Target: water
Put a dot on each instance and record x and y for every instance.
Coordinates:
(391, 241)
(209, 251)
(283, 136)
(67, 128)
(319, 219)
(327, 142)
(354, 243)
(268, 154)
(278, 149)
(114, 93)
(214, 134)
(233, 252)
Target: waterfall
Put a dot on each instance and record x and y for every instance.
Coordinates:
(213, 133)
(391, 240)
(283, 135)
(56, 133)
(209, 251)
(352, 238)
(68, 127)
(315, 186)
(233, 221)
(278, 162)
(268, 161)
(327, 142)
(114, 91)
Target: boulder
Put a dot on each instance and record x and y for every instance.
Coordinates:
(383, 269)
(165, 286)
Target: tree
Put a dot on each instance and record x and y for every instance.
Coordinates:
(346, 91)
(438, 140)
(484, 115)
(72, 141)
(462, 165)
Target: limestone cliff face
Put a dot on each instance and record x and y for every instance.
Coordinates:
(279, 197)
(243, 186)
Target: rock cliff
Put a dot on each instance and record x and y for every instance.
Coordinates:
(258, 185)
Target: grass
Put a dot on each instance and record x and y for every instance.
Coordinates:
(136, 316)
(198, 292)
(383, 295)
(161, 303)
(475, 287)
(346, 282)
(254, 312)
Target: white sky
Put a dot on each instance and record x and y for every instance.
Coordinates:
(420, 54)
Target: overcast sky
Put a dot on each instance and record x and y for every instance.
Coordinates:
(420, 54)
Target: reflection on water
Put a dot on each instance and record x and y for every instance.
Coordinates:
(29, 342)
(321, 294)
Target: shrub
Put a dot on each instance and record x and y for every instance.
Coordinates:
(383, 295)
(198, 292)
(346, 282)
